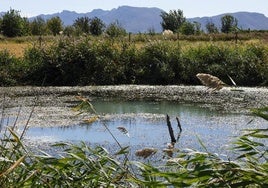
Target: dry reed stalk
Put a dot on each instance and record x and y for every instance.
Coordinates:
(17, 163)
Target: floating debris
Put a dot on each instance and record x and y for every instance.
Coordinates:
(146, 152)
(175, 161)
(91, 120)
(123, 130)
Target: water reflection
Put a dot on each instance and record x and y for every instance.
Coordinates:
(214, 129)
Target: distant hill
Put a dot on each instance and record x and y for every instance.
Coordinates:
(141, 19)
(246, 20)
(133, 19)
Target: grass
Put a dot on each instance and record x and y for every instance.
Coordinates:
(14, 48)
(17, 46)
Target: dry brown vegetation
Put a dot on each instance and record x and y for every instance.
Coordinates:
(16, 49)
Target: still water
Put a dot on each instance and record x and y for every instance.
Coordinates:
(146, 124)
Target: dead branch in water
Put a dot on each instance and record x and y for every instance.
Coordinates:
(179, 124)
(170, 130)
(170, 147)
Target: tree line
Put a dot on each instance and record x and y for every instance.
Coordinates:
(177, 23)
(13, 25)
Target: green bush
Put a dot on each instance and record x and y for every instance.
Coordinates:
(9, 66)
(246, 64)
(83, 61)
(160, 63)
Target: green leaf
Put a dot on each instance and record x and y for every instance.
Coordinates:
(261, 112)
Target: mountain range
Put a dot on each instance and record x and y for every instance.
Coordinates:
(143, 19)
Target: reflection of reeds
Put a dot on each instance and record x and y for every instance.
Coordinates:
(210, 81)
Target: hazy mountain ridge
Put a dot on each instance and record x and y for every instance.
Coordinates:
(141, 19)
(133, 19)
(246, 20)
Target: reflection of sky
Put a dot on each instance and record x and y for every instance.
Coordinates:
(162, 107)
(214, 129)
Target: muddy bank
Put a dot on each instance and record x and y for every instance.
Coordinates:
(234, 100)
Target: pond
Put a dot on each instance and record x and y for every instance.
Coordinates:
(146, 124)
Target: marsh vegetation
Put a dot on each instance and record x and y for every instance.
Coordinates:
(84, 165)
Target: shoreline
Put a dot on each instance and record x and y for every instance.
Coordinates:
(228, 99)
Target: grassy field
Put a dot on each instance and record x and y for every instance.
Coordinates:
(17, 46)
(16, 49)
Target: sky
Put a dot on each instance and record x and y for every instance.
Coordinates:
(190, 8)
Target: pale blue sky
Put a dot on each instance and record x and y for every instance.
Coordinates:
(191, 8)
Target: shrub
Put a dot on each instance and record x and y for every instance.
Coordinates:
(84, 61)
(8, 69)
(159, 63)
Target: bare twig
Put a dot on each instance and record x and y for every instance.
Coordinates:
(179, 124)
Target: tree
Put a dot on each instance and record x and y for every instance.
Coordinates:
(187, 28)
(12, 24)
(96, 26)
(69, 30)
(38, 26)
(197, 28)
(228, 23)
(211, 28)
(1, 25)
(26, 26)
(115, 30)
(82, 25)
(172, 20)
(55, 25)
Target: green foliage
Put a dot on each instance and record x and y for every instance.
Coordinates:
(82, 25)
(159, 63)
(83, 61)
(115, 30)
(55, 25)
(187, 28)
(77, 166)
(228, 23)
(246, 65)
(211, 28)
(172, 20)
(38, 26)
(261, 112)
(96, 26)
(12, 24)
(8, 69)
(69, 30)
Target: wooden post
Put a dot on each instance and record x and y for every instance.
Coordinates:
(129, 37)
